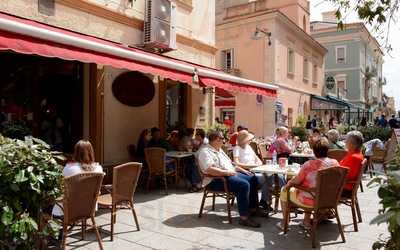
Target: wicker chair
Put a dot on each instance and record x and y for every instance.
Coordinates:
(155, 159)
(226, 194)
(79, 202)
(330, 182)
(264, 155)
(337, 154)
(125, 179)
(378, 157)
(209, 193)
(352, 200)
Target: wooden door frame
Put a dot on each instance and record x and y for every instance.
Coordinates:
(96, 111)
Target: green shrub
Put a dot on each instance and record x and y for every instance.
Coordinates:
(370, 133)
(16, 130)
(221, 128)
(30, 180)
(389, 193)
(301, 132)
(301, 121)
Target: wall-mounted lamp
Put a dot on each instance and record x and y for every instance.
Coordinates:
(195, 76)
(260, 33)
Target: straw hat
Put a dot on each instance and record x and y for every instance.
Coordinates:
(244, 136)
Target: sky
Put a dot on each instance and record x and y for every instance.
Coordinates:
(390, 70)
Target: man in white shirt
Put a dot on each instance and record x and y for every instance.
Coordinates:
(214, 162)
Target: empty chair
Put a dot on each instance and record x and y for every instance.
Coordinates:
(79, 201)
(330, 182)
(156, 161)
(125, 179)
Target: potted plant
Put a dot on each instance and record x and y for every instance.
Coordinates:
(389, 193)
(30, 181)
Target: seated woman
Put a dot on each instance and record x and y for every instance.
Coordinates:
(142, 143)
(333, 137)
(353, 159)
(191, 169)
(281, 145)
(83, 162)
(307, 178)
(245, 157)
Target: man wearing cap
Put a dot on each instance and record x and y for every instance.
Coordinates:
(213, 161)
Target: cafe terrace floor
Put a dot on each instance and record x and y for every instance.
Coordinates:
(171, 222)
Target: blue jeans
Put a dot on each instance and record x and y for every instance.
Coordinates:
(245, 189)
(191, 171)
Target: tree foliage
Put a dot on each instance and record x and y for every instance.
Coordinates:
(389, 193)
(380, 14)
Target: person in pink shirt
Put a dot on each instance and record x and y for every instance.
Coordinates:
(307, 178)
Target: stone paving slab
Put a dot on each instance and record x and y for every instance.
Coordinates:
(171, 222)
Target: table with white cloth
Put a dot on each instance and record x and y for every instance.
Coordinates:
(289, 171)
(178, 156)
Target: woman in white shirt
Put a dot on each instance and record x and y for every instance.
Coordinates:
(245, 157)
(83, 162)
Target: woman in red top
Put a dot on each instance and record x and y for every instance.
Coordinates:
(353, 159)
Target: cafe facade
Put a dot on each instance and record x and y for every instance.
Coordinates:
(85, 72)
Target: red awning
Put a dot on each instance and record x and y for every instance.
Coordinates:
(30, 45)
(223, 93)
(30, 37)
(234, 87)
(225, 103)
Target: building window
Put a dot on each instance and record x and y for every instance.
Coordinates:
(290, 66)
(341, 85)
(315, 74)
(227, 59)
(341, 54)
(305, 69)
(304, 23)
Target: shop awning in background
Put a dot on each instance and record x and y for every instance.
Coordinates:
(30, 37)
(328, 103)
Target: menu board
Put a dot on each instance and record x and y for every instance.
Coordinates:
(392, 145)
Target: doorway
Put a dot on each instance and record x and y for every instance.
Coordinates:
(42, 97)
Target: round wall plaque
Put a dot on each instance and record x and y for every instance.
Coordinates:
(133, 89)
(330, 82)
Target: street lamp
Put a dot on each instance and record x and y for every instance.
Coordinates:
(259, 33)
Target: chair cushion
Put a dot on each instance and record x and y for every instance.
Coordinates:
(105, 200)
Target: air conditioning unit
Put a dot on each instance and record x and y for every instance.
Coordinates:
(159, 25)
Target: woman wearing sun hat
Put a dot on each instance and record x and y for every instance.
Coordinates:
(245, 157)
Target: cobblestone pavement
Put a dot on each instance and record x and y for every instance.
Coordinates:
(171, 222)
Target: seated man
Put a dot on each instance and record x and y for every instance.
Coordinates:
(353, 159)
(214, 162)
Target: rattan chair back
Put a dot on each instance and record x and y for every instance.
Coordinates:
(80, 196)
(337, 154)
(125, 179)
(330, 183)
(379, 154)
(155, 159)
(263, 152)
